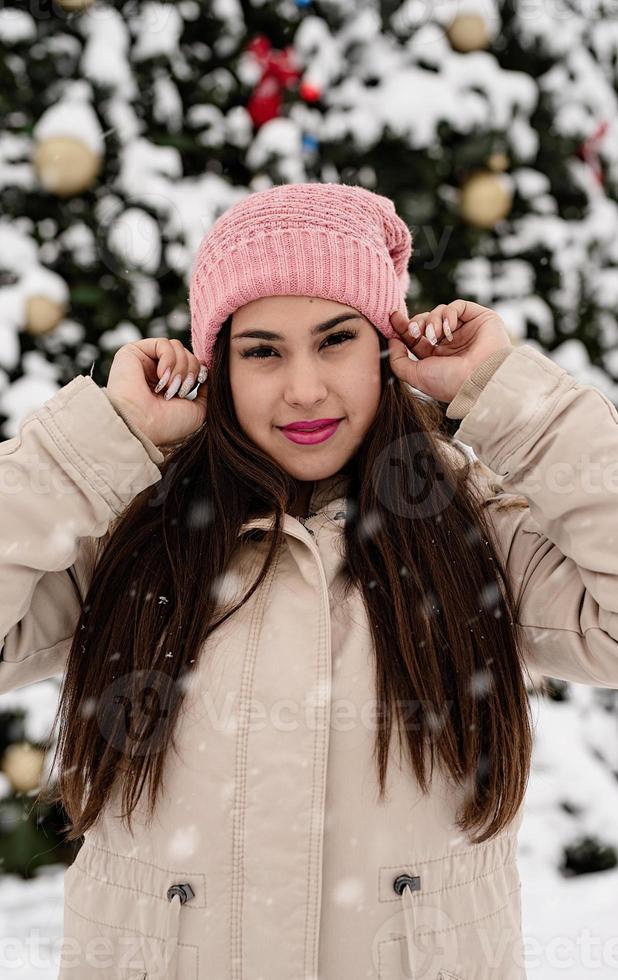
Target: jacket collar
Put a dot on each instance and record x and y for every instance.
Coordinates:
(328, 498)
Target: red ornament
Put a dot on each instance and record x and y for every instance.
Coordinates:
(588, 151)
(260, 47)
(265, 102)
(284, 66)
(279, 70)
(309, 92)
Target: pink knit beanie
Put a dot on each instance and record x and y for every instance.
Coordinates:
(335, 241)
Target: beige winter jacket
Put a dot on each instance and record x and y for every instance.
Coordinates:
(270, 857)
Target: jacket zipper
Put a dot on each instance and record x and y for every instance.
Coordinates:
(303, 521)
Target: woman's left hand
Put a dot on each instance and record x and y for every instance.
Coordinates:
(475, 333)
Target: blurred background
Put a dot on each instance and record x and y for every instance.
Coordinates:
(126, 129)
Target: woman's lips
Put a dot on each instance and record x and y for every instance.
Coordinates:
(308, 438)
(310, 426)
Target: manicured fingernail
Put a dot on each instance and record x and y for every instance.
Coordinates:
(173, 388)
(163, 381)
(430, 333)
(186, 386)
(415, 329)
(447, 330)
(202, 375)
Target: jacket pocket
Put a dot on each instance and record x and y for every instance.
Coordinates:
(126, 919)
(452, 916)
(470, 950)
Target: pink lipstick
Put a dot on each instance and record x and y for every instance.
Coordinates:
(306, 437)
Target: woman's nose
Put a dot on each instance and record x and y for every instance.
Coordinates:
(305, 384)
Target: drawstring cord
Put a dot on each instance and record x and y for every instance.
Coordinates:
(177, 895)
(410, 922)
(404, 885)
(171, 938)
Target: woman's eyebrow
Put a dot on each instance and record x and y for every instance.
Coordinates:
(319, 328)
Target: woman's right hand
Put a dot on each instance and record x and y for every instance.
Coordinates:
(134, 377)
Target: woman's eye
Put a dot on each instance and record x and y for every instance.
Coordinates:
(338, 337)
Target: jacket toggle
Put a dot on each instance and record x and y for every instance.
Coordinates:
(177, 895)
(404, 885)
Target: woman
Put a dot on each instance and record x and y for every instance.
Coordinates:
(243, 612)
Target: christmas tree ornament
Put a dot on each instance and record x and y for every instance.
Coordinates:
(310, 143)
(589, 150)
(468, 32)
(279, 70)
(486, 198)
(66, 166)
(75, 6)
(309, 92)
(22, 763)
(265, 102)
(284, 67)
(259, 46)
(45, 297)
(69, 144)
(43, 314)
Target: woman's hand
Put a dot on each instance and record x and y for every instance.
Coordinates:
(475, 333)
(144, 377)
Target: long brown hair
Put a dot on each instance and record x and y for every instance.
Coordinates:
(441, 611)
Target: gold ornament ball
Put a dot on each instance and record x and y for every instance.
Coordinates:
(43, 314)
(66, 166)
(468, 32)
(486, 198)
(75, 5)
(22, 763)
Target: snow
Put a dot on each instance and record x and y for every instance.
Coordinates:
(23, 396)
(156, 30)
(125, 333)
(135, 238)
(15, 168)
(73, 117)
(104, 58)
(168, 106)
(16, 26)
(39, 281)
(80, 240)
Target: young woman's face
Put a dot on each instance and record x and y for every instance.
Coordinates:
(301, 375)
